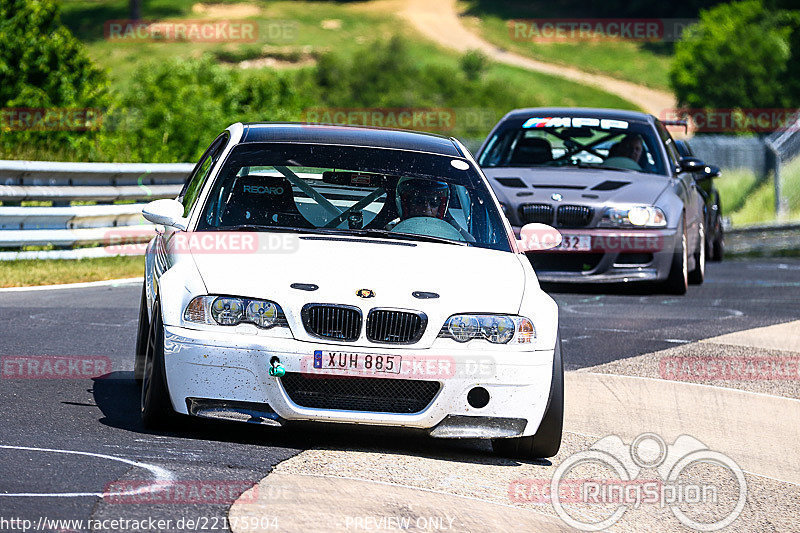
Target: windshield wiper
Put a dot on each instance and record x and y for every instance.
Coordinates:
(258, 227)
(404, 236)
(615, 169)
(337, 231)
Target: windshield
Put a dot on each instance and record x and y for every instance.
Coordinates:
(356, 191)
(573, 141)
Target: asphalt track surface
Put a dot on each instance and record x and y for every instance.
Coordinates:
(99, 417)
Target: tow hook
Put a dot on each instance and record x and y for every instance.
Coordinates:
(276, 368)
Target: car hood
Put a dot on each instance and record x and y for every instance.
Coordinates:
(580, 186)
(467, 279)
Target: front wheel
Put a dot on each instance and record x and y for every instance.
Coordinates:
(156, 406)
(678, 280)
(718, 244)
(718, 249)
(141, 339)
(547, 439)
(697, 275)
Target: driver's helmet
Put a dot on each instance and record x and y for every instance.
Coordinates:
(418, 197)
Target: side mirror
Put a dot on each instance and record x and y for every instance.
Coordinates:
(536, 237)
(711, 172)
(706, 173)
(166, 212)
(691, 164)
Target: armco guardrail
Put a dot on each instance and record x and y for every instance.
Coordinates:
(99, 182)
(65, 225)
(763, 239)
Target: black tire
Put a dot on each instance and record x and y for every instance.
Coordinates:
(547, 440)
(141, 339)
(678, 280)
(718, 243)
(718, 238)
(718, 247)
(157, 412)
(698, 274)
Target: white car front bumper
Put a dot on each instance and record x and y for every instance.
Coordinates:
(225, 375)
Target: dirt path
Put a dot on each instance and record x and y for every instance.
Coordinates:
(438, 20)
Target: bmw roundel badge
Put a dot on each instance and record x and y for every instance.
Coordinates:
(365, 293)
(556, 197)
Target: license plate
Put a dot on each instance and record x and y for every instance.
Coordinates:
(358, 362)
(576, 243)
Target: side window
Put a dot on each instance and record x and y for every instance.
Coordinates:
(193, 186)
(669, 145)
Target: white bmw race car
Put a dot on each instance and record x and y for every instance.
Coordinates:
(348, 275)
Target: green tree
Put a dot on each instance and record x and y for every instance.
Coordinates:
(738, 55)
(474, 64)
(173, 109)
(386, 75)
(41, 63)
(44, 68)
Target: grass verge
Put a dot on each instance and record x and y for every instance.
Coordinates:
(32, 272)
(643, 63)
(749, 201)
(317, 27)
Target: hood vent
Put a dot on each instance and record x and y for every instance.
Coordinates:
(559, 186)
(610, 185)
(515, 183)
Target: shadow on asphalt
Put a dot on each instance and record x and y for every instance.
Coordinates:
(117, 395)
(616, 289)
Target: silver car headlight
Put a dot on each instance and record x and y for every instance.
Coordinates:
(639, 216)
(230, 311)
(497, 329)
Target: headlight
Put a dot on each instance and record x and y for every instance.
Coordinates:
(262, 313)
(230, 311)
(639, 216)
(227, 311)
(497, 329)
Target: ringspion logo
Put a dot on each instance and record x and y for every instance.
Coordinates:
(591, 490)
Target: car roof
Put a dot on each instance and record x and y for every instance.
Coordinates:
(349, 136)
(588, 112)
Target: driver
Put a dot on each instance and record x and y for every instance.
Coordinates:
(626, 153)
(418, 197)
